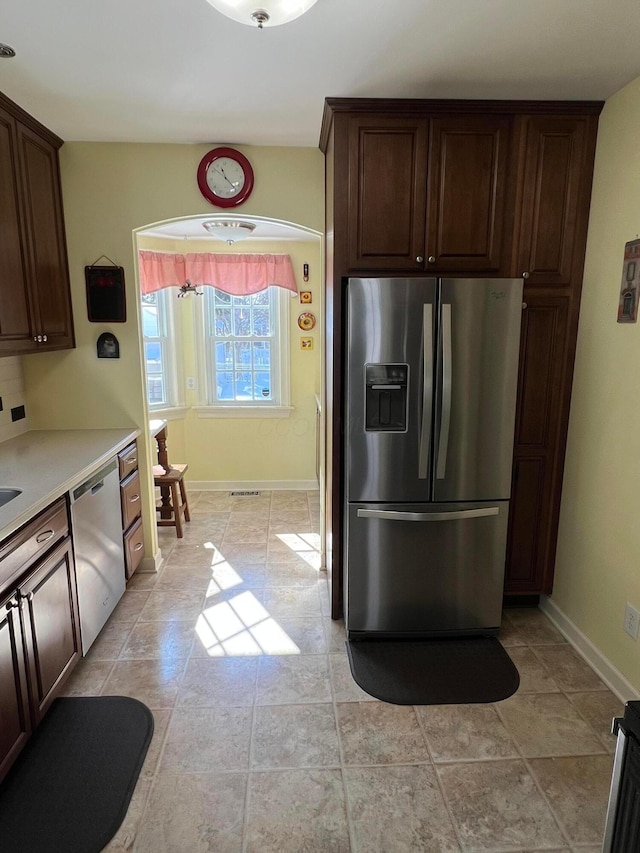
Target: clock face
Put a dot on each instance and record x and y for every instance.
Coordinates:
(225, 177)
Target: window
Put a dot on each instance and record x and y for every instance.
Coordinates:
(160, 348)
(247, 348)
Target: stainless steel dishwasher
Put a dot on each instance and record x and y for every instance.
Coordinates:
(97, 540)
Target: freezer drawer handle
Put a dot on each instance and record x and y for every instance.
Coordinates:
(427, 391)
(393, 515)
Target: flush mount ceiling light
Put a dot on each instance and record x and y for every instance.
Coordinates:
(263, 13)
(6, 52)
(230, 231)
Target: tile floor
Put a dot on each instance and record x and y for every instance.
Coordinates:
(263, 742)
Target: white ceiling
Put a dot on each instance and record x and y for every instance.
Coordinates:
(179, 71)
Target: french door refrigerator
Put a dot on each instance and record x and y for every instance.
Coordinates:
(431, 377)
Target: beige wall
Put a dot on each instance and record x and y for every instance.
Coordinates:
(108, 191)
(598, 557)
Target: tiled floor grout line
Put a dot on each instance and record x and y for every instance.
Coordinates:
(436, 774)
(353, 844)
(560, 824)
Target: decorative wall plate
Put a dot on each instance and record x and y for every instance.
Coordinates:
(306, 321)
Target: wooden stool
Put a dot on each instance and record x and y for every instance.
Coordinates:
(174, 505)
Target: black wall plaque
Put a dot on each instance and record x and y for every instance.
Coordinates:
(105, 294)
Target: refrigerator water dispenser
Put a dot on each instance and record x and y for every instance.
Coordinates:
(386, 397)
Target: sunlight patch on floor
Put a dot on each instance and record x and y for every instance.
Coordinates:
(242, 626)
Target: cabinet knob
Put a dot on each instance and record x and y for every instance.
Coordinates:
(39, 339)
(432, 259)
(35, 338)
(13, 603)
(525, 275)
(524, 306)
(44, 337)
(419, 259)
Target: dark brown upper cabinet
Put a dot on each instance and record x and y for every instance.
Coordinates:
(427, 194)
(556, 152)
(35, 300)
(467, 184)
(387, 193)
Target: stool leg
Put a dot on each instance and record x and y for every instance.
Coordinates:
(185, 502)
(177, 514)
(165, 508)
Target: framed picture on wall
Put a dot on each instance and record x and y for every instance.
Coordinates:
(630, 286)
(105, 294)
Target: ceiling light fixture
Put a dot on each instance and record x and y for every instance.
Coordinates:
(230, 231)
(6, 52)
(264, 13)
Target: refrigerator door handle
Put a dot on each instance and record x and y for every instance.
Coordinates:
(393, 515)
(427, 391)
(445, 414)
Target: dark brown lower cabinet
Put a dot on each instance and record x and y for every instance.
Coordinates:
(15, 719)
(39, 628)
(51, 626)
(540, 430)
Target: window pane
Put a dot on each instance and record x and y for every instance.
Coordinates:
(155, 389)
(243, 386)
(153, 355)
(241, 322)
(222, 298)
(261, 322)
(224, 386)
(224, 355)
(223, 322)
(261, 355)
(242, 352)
(261, 298)
(150, 321)
(262, 385)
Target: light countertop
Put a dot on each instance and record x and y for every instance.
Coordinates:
(45, 464)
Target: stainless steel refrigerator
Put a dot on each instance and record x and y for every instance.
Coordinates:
(431, 377)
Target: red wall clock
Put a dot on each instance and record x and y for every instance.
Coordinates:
(225, 177)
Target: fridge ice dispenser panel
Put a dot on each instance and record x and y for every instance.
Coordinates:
(386, 397)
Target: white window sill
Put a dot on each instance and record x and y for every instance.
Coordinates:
(172, 413)
(243, 411)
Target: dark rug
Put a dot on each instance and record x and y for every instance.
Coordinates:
(70, 788)
(433, 671)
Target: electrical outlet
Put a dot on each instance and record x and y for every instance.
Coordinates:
(191, 383)
(631, 621)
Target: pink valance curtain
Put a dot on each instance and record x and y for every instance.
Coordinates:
(235, 274)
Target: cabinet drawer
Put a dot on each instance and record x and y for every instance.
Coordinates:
(133, 547)
(128, 460)
(32, 541)
(130, 498)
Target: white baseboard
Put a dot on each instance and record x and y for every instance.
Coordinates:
(151, 564)
(603, 667)
(251, 485)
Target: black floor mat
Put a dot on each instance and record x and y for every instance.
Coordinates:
(433, 671)
(70, 788)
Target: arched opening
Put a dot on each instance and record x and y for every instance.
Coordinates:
(217, 395)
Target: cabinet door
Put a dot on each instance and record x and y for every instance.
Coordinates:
(537, 466)
(52, 631)
(387, 192)
(15, 724)
(553, 174)
(468, 172)
(47, 271)
(15, 329)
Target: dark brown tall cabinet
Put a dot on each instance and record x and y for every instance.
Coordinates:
(35, 301)
(468, 188)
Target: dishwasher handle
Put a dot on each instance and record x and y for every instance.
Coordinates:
(95, 482)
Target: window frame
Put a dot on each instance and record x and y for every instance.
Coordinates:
(170, 350)
(279, 406)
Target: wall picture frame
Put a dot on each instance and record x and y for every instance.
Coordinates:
(630, 285)
(106, 301)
